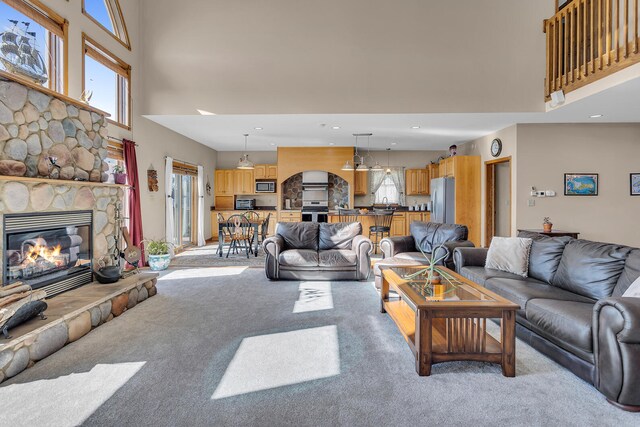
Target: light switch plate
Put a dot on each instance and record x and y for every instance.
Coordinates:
(532, 202)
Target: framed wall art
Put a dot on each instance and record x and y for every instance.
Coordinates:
(580, 184)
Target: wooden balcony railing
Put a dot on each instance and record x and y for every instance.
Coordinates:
(588, 40)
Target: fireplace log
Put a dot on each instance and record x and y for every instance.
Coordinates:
(15, 290)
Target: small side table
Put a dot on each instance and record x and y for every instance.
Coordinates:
(553, 233)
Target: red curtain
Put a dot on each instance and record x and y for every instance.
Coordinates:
(135, 213)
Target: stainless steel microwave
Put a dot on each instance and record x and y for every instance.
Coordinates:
(265, 186)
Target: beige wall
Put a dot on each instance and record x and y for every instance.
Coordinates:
(154, 141)
(482, 147)
(343, 56)
(546, 152)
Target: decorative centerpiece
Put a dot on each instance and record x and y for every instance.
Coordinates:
(432, 273)
(547, 225)
(159, 253)
(119, 175)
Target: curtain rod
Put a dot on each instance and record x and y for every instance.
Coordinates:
(118, 139)
(182, 161)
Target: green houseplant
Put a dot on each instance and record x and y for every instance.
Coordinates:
(433, 274)
(158, 253)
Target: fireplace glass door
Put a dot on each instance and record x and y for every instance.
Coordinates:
(51, 250)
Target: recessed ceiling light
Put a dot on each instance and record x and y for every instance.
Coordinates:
(332, 143)
(394, 143)
(596, 116)
(335, 127)
(258, 128)
(415, 127)
(272, 144)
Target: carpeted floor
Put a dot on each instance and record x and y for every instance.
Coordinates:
(223, 346)
(207, 256)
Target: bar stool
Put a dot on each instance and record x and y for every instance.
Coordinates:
(348, 215)
(382, 220)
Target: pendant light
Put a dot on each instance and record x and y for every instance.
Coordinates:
(244, 162)
(377, 167)
(388, 171)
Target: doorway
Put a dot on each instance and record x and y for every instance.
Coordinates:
(498, 206)
(184, 209)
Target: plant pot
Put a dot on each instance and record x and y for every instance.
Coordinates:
(547, 227)
(435, 279)
(120, 178)
(159, 262)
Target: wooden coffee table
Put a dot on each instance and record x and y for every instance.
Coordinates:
(447, 322)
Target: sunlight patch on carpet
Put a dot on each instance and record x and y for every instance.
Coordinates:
(314, 296)
(196, 273)
(269, 361)
(68, 400)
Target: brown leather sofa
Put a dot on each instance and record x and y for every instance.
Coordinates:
(317, 251)
(572, 309)
(425, 236)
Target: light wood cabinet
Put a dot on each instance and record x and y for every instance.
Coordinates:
(288, 216)
(361, 183)
(417, 182)
(433, 171)
(243, 182)
(447, 167)
(399, 224)
(416, 216)
(223, 185)
(265, 172)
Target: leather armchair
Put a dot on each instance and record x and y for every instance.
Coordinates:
(616, 339)
(469, 257)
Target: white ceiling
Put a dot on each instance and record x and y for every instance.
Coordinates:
(618, 104)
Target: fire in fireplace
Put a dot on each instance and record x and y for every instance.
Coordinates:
(48, 250)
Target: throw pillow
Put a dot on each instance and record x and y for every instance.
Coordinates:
(633, 290)
(510, 254)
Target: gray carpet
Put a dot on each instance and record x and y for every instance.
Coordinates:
(223, 346)
(207, 256)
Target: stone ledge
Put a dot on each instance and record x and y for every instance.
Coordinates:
(70, 316)
(61, 181)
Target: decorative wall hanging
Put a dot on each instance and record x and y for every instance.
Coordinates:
(635, 184)
(152, 179)
(208, 186)
(580, 184)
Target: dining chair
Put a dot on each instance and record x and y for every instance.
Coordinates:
(252, 216)
(239, 229)
(348, 215)
(222, 231)
(264, 228)
(382, 225)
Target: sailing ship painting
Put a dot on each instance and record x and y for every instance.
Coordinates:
(19, 53)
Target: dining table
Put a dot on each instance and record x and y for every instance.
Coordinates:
(255, 224)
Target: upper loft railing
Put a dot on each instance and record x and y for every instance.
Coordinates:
(588, 40)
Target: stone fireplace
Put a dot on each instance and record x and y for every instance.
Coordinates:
(58, 213)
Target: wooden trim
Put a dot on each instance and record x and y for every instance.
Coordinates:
(118, 32)
(102, 55)
(5, 75)
(490, 228)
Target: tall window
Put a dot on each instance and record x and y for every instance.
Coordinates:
(387, 189)
(108, 78)
(34, 43)
(107, 14)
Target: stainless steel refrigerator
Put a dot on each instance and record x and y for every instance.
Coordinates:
(443, 200)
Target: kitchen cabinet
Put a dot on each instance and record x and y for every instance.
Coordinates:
(433, 171)
(361, 183)
(290, 216)
(399, 224)
(265, 172)
(223, 185)
(416, 216)
(417, 182)
(447, 167)
(243, 181)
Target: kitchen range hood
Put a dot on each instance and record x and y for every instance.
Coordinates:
(315, 180)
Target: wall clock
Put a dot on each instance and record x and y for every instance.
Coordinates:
(496, 147)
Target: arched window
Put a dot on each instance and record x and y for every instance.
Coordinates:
(107, 14)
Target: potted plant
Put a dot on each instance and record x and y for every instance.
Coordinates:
(547, 224)
(119, 175)
(158, 253)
